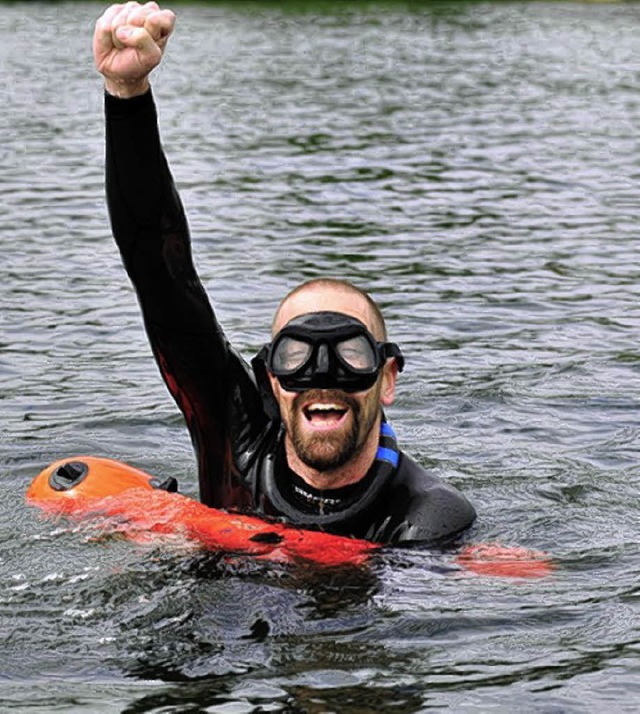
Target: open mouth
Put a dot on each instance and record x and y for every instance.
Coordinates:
(323, 414)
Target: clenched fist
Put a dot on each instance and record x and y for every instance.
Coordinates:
(128, 43)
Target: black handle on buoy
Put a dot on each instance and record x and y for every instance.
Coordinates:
(68, 475)
(169, 484)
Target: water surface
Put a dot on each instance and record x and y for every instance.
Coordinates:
(475, 165)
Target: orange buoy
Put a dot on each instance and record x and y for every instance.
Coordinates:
(505, 561)
(69, 484)
(84, 486)
(137, 504)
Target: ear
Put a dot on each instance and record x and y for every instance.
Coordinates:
(275, 385)
(388, 383)
(266, 387)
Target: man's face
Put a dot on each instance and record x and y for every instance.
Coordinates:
(329, 427)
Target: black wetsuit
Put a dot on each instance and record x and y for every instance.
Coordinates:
(239, 444)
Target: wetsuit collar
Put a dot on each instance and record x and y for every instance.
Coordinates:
(300, 501)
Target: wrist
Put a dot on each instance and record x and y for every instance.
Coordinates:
(126, 88)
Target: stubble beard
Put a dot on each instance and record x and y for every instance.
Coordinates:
(327, 452)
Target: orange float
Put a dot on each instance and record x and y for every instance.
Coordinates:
(137, 505)
(505, 561)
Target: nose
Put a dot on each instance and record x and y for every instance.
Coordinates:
(322, 360)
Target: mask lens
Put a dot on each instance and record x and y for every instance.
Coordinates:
(289, 355)
(357, 353)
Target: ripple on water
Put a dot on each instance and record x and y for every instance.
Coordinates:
(474, 165)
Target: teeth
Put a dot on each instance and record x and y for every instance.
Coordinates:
(325, 407)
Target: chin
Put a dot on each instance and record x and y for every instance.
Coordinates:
(323, 453)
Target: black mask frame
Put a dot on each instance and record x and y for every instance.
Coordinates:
(324, 367)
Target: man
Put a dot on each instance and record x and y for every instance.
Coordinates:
(302, 436)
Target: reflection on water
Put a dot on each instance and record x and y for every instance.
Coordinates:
(474, 165)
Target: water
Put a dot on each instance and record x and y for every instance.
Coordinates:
(474, 165)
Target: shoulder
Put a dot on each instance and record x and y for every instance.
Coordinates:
(433, 509)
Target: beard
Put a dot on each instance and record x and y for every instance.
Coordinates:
(327, 452)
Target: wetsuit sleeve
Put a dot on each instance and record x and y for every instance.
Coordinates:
(209, 381)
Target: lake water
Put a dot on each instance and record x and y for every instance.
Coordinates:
(475, 165)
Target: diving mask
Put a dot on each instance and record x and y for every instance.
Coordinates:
(327, 350)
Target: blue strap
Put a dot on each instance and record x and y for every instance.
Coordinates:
(388, 453)
(387, 430)
(385, 454)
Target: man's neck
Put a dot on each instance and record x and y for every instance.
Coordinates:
(353, 471)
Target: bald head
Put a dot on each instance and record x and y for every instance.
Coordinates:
(332, 295)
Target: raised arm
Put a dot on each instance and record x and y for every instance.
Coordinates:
(209, 381)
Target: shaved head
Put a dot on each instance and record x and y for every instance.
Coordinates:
(334, 295)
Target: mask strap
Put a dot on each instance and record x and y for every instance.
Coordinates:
(391, 349)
